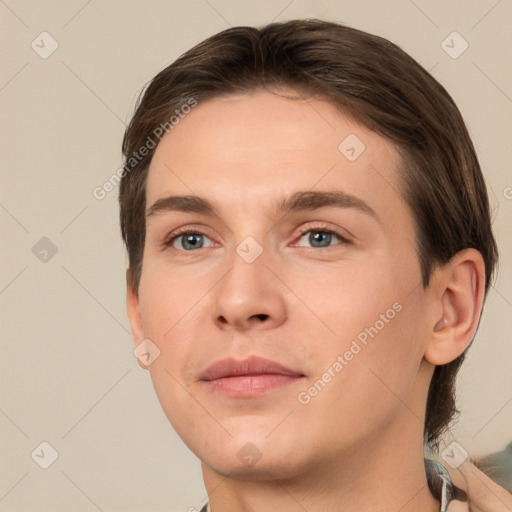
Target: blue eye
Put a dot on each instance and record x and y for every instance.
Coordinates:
(318, 238)
(321, 238)
(189, 241)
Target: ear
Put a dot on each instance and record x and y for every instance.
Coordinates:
(134, 316)
(457, 299)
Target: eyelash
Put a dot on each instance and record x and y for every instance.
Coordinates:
(302, 231)
(323, 229)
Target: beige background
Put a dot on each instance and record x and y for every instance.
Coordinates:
(68, 374)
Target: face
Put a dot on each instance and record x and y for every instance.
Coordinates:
(327, 286)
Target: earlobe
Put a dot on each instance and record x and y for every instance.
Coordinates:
(133, 310)
(459, 289)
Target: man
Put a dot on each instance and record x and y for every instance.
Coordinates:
(310, 247)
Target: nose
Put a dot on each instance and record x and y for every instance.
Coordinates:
(250, 296)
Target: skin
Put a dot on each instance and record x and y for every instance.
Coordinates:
(359, 441)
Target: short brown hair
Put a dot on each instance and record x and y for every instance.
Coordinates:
(377, 84)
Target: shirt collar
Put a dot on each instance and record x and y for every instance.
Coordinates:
(440, 484)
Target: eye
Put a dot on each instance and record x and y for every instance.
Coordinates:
(318, 237)
(321, 237)
(187, 240)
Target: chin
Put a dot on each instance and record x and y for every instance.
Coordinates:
(253, 459)
(265, 469)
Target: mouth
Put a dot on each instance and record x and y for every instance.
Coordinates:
(250, 377)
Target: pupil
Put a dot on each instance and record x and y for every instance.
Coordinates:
(318, 235)
(189, 239)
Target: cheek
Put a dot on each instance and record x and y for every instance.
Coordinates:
(169, 313)
(373, 320)
(390, 357)
(169, 310)
(347, 299)
(166, 298)
(377, 377)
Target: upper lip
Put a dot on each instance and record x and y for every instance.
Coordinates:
(253, 365)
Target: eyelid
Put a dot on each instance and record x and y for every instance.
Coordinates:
(343, 234)
(171, 237)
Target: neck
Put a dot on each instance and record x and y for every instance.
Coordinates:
(381, 476)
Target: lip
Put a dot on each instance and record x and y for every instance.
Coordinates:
(248, 377)
(231, 367)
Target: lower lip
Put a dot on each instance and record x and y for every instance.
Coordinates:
(245, 386)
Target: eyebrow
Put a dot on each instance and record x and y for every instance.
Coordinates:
(297, 202)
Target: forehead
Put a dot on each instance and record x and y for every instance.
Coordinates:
(253, 149)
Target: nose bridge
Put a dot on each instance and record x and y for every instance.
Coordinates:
(249, 293)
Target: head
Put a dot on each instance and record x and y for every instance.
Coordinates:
(252, 115)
